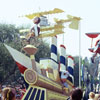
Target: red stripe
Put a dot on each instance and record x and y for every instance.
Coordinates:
(63, 46)
(92, 35)
(21, 67)
(97, 42)
(98, 50)
(71, 57)
(91, 50)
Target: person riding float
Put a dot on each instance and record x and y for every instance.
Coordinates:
(35, 30)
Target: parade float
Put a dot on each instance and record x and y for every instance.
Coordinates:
(47, 79)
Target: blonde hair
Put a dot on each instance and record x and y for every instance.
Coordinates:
(91, 95)
(8, 94)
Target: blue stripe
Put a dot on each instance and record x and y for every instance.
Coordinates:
(62, 60)
(70, 70)
(42, 95)
(28, 94)
(70, 79)
(26, 84)
(54, 49)
(33, 94)
(38, 95)
(54, 60)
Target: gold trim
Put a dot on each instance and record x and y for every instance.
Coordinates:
(32, 57)
(40, 94)
(31, 94)
(26, 92)
(51, 76)
(69, 83)
(35, 95)
(50, 82)
(33, 72)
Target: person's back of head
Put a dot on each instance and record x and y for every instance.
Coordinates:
(91, 95)
(8, 94)
(77, 94)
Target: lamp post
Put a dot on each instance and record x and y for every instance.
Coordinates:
(79, 54)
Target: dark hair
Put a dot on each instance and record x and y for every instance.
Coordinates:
(77, 94)
(8, 94)
(36, 20)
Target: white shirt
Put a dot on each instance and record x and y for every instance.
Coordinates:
(64, 74)
(36, 30)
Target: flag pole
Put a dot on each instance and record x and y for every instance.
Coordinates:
(63, 39)
(76, 24)
(79, 53)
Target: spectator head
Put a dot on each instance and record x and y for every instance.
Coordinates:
(91, 95)
(77, 94)
(8, 94)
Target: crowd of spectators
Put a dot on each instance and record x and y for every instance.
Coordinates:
(8, 92)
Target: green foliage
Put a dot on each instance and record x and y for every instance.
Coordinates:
(9, 71)
(8, 33)
(7, 64)
(43, 51)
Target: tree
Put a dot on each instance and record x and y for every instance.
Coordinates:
(9, 34)
(43, 51)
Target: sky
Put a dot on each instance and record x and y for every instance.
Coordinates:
(88, 10)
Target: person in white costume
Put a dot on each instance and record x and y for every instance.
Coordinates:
(35, 30)
(64, 76)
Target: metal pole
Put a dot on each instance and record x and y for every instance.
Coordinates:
(63, 39)
(79, 54)
(91, 42)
